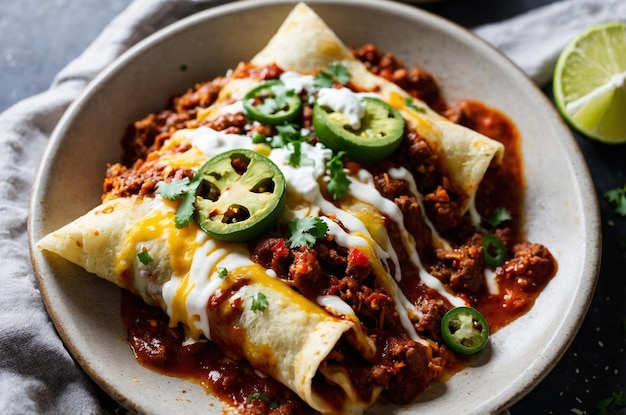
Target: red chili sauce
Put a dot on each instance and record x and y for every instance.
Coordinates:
(521, 278)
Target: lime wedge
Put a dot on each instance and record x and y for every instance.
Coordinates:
(590, 82)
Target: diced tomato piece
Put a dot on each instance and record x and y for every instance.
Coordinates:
(358, 258)
(280, 249)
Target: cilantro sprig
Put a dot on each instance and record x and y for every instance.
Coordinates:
(339, 183)
(617, 197)
(336, 72)
(497, 217)
(305, 231)
(291, 135)
(616, 398)
(184, 189)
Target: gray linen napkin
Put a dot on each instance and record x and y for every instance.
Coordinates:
(534, 40)
(37, 375)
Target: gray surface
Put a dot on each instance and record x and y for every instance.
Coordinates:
(37, 38)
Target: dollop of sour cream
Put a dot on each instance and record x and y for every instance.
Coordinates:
(297, 82)
(345, 101)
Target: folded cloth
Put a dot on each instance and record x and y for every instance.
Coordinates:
(535, 39)
(37, 375)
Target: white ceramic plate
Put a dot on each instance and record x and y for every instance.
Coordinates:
(560, 203)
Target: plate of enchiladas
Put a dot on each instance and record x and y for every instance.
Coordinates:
(345, 207)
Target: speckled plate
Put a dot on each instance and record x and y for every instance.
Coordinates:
(560, 200)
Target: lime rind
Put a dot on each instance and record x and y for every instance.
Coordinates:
(590, 82)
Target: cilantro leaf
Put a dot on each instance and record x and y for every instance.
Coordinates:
(498, 216)
(339, 183)
(297, 158)
(336, 73)
(617, 398)
(144, 257)
(323, 79)
(222, 272)
(184, 213)
(184, 189)
(278, 141)
(339, 72)
(617, 196)
(305, 231)
(173, 190)
(291, 135)
(263, 397)
(259, 302)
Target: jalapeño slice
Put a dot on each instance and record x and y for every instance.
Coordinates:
(465, 330)
(381, 131)
(272, 103)
(242, 195)
(494, 251)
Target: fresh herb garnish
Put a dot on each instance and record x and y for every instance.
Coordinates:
(173, 190)
(497, 217)
(410, 102)
(222, 272)
(339, 183)
(278, 99)
(259, 302)
(263, 397)
(184, 189)
(336, 73)
(617, 398)
(144, 257)
(617, 196)
(291, 135)
(305, 231)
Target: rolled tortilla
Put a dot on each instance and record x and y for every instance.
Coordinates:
(465, 154)
(288, 339)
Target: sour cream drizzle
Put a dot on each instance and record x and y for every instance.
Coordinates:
(492, 284)
(367, 192)
(400, 173)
